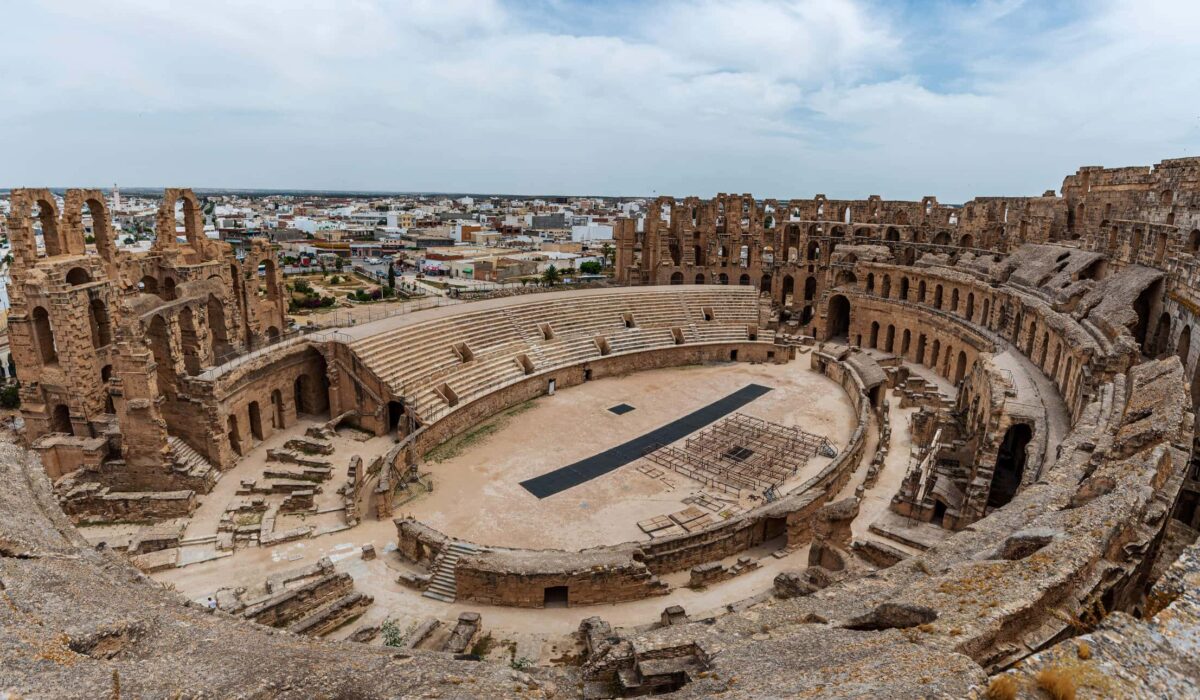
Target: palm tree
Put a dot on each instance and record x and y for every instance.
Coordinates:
(551, 277)
(607, 251)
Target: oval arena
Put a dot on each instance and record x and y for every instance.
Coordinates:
(805, 448)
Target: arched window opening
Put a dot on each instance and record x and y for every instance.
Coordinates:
(676, 278)
(43, 336)
(77, 276)
(222, 350)
(100, 325)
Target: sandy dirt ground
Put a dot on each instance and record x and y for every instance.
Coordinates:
(477, 496)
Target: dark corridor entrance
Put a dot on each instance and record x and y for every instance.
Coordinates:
(1010, 465)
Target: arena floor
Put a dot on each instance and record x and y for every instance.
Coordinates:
(478, 494)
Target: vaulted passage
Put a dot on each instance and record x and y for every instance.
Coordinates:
(1010, 465)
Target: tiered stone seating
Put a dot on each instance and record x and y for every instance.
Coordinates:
(417, 360)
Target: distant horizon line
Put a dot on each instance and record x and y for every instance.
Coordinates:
(435, 193)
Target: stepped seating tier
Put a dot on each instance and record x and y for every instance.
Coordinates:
(476, 352)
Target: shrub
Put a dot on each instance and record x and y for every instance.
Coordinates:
(1002, 688)
(10, 397)
(590, 268)
(1057, 682)
(393, 636)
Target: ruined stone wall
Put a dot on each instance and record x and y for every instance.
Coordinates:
(113, 337)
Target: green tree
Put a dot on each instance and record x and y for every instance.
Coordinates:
(10, 397)
(551, 276)
(339, 263)
(391, 277)
(590, 267)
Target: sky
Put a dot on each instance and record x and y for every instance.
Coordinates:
(846, 98)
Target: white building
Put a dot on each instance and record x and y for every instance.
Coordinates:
(591, 232)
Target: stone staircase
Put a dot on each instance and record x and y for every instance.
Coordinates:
(188, 461)
(443, 585)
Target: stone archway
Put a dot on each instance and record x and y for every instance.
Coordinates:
(837, 320)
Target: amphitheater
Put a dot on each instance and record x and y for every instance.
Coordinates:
(805, 448)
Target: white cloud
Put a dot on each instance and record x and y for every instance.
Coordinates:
(844, 97)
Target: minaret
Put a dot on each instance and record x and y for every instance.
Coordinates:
(116, 198)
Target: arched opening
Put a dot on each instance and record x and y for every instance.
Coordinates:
(43, 336)
(676, 278)
(1193, 241)
(673, 249)
(189, 342)
(312, 390)
(885, 290)
(60, 420)
(272, 282)
(905, 342)
(970, 306)
(168, 292)
(838, 318)
(786, 290)
(278, 419)
(920, 356)
(149, 285)
(904, 288)
(1010, 465)
(874, 341)
(967, 241)
(813, 252)
(1184, 346)
(890, 342)
(700, 278)
(764, 284)
(937, 297)
(99, 323)
(47, 217)
(892, 234)
(935, 354)
(1162, 336)
(77, 276)
(160, 344)
(222, 350)
(942, 238)
(722, 278)
(960, 367)
(921, 292)
(806, 315)
(106, 376)
(744, 280)
(395, 413)
(698, 255)
(101, 231)
(810, 289)
(272, 334)
(235, 438)
(870, 283)
(255, 420)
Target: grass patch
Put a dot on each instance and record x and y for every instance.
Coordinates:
(248, 519)
(456, 445)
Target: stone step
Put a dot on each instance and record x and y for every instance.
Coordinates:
(439, 596)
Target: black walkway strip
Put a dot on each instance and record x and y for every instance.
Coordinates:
(584, 470)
